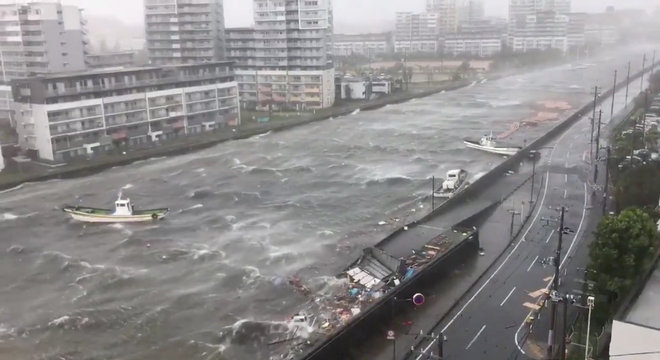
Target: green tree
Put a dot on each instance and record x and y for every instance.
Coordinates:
(623, 247)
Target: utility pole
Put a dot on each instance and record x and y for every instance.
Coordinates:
(593, 118)
(646, 106)
(433, 194)
(641, 83)
(607, 179)
(627, 83)
(562, 346)
(632, 140)
(555, 287)
(600, 116)
(613, 93)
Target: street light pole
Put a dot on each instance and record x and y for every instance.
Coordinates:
(531, 194)
(590, 304)
(641, 83)
(593, 119)
(607, 178)
(613, 93)
(600, 116)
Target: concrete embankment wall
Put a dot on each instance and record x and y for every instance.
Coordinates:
(377, 317)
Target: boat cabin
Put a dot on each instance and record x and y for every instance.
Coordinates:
(123, 207)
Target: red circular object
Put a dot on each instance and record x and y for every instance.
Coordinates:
(418, 299)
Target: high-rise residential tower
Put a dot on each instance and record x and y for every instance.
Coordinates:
(447, 13)
(285, 61)
(184, 31)
(40, 37)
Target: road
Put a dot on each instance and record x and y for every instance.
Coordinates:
(490, 323)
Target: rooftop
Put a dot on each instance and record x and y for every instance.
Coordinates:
(71, 74)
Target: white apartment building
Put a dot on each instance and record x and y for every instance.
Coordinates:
(40, 37)
(368, 45)
(416, 32)
(576, 31)
(473, 44)
(184, 31)
(447, 12)
(470, 11)
(60, 117)
(520, 9)
(6, 111)
(543, 31)
(2, 160)
(285, 61)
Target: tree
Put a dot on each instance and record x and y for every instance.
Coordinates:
(623, 247)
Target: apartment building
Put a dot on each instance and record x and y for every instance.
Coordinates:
(543, 31)
(285, 61)
(447, 13)
(111, 59)
(470, 11)
(184, 31)
(481, 44)
(6, 110)
(40, 37)
(417, 32)
(520, 9)
(63, 116)
(369, 45)
(576, 31)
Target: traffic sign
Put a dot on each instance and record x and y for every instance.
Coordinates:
(391, 335)
(418, 299)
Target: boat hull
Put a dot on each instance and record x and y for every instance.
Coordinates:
(508, 151)
(105, 216)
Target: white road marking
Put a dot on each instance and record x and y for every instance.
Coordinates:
(566, 178)
(565, 193)
(475, 337)
(522, 239)
(549, 236)
(507, 297)
(533, 262)
(432, 227)
(576, 237)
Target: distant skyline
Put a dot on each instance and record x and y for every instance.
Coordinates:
(358, 14)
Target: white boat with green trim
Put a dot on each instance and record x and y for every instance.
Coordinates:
(124, 212)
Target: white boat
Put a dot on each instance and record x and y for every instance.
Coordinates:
(489, 144)
(124, 212)
(455, 182)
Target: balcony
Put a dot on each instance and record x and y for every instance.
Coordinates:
(152, 82)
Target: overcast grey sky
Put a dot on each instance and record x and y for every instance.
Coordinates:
(239, 12)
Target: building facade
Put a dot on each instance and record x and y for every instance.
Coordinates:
(184, 31)
(576, 31)
(285, 61)
(470, 11)
(481, 44)
(543, 31)
(416, 32)
(520, 9)
(368, 45)
(40, 37)
(111, 59)
(60, 117)
(447, 12)
(6, 107)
